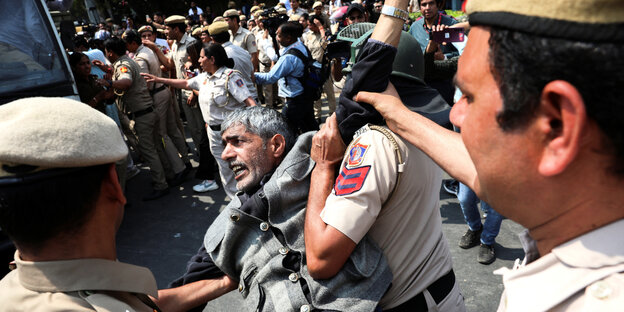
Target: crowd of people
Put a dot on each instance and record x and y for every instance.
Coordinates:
(340, 214)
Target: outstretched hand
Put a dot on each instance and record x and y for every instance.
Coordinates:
(327, 145)
(149, 77)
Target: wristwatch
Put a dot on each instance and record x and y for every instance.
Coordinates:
(394, 12)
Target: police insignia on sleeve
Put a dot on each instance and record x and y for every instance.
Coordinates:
(356, 154)
(123, 69)
(239, 83)
(350, 181)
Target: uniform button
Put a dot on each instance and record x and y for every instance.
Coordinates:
(304, 308)
(264, 226)
(600, 290)
(241, 287)
(293, 277)
(235, 217)
(283, 250)
(261, 195)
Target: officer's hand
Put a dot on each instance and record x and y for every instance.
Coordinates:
(387, 103)
(327, 145)
(149, 44)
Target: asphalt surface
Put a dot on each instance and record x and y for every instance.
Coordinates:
(163, 234)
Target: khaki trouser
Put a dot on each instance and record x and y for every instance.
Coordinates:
(174, 144)
(227, 175)
(145, 127)
(328, 89)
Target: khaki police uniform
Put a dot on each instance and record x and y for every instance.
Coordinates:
(77, 285)
(244, 39)
(219, 94)
(269, 90)
(395, 201)
(584, 274)
(242, 63)
(174, 143)
(194, 119)
(317, 44)
(136, 103)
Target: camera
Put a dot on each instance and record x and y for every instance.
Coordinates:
(273, 20)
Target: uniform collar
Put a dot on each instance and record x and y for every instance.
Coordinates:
(219, 72)
(85, 274)
(566, 270)
(226, 44)
(184, 39)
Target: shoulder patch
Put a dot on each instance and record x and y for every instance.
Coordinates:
(350, 181)
(240, 83)
(123, 69)
(356, 154)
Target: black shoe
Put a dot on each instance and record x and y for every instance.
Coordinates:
(451, 186)
(486, 254)
(470, 239)
(155, 194)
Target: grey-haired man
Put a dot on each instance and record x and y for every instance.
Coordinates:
(257, 243)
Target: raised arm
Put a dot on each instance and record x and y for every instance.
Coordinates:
(191, 295)
(177, 83)
(327, 249)
(444, 146)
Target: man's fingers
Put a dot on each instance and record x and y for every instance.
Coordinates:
(366, 97)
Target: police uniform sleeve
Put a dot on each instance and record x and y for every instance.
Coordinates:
(195, 82)
(250, 43)
(366, 179)
(123, 71)
(143, 64)
(237, 87)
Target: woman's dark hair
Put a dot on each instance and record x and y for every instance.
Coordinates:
(75, 58)
(315, 17)
(193, 51)
(221, 37)
(218, 52)
(132, 35)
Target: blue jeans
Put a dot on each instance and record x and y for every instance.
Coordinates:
(468, 201)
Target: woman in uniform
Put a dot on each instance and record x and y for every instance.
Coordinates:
(221, 90)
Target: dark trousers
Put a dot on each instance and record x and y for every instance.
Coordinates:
(207, 163)
(299, 112)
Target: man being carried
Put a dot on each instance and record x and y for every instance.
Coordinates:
(257, 243)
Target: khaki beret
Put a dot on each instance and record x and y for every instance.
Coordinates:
(56, 133)
(317, 4)
(145, 28)
(230, 13)
(218, 19)
(175, 19)
(205, 29)
(254, 9)
(217, 28)
(243, 17)
(585, 20)
(109, 20)
(294, 18)
(196, 31)
(281, 11)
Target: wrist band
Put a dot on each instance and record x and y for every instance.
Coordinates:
(394, 12)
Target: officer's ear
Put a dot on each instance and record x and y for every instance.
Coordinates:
(277, 146)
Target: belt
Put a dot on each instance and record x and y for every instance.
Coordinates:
(215, 127)
(141, 112)
(162, 87)
(438, 290)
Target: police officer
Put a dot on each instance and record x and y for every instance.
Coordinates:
(174, 143)
(61, 204)
(135, 101)
(263, 41)
(221, 90)
(542, 143)
(385, 187)
(240, 36)
(219, 34)
(316, 43)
